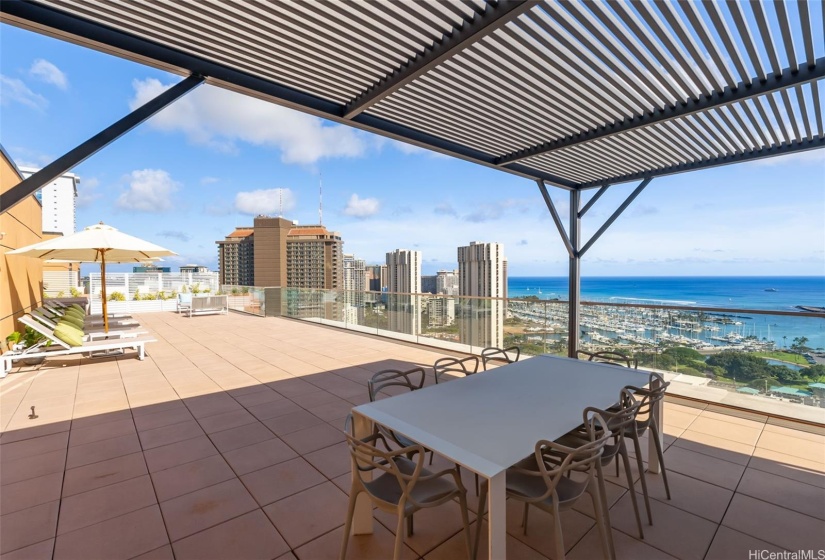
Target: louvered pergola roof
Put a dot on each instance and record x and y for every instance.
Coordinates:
(575, 94)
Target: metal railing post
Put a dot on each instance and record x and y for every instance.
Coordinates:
(574, 278)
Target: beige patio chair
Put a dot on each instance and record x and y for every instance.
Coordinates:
(460, 366)
(618, 421)
(617, 358)
(396, 484)
(648, 399)
(500, 355)
(390, 382)
(555, 477)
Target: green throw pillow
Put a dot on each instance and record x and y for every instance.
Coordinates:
(69, 334)
(74, 320)
(75, 313)
(78, 307)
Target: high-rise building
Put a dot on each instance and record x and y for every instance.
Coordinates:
(482, 273)
(429, 284)
(236, 258)
(270, 257)
(403, 278)
(58, 200)
(446, 282)
(314, 258)
(377, 277)
(355, 287)
(193, 269)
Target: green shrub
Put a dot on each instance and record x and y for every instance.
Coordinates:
(61, 293)
(207, 290)
(235, 291)
(117, 296)
(75, 292)
(196, 289)
(137, 295)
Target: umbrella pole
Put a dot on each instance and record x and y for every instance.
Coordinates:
(103, 290)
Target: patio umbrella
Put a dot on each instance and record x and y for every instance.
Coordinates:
(97, 243)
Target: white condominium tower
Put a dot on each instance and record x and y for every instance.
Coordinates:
(404, 277)
(355, 287)
(58, 201)
(482, 272)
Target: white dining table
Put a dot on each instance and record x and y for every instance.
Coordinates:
(488, 421)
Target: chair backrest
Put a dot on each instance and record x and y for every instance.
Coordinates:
(383, 381)
(647, 398)
(461, 366)
(44, 330)
(185, 298)
(616, 420)
(617, 358)
(500, 355)
(556, 461)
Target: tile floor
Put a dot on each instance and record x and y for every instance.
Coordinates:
(226, 443)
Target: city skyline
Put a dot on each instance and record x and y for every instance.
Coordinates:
(187, 176)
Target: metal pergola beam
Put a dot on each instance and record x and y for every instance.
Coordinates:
(494, 16)
(618, 212)
(774, 82)
(556, 220)
(68, 27)
(804, 145)
(77, 155)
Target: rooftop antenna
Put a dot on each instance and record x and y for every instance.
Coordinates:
(280, 203)
(320, 198)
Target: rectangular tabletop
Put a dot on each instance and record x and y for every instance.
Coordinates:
(490, 420)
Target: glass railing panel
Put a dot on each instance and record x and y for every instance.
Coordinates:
(536, 326)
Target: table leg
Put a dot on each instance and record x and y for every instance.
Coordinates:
(658, 413)
(362, 518)
(497, 517)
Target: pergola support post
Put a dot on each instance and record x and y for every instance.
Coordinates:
(77, 155)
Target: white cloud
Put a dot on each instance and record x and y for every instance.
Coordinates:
(14, 90)
(362, 207)
(150, 190)
(175, 234)
(47, 72)
(87, 192)
(265, 201)
(209, 180)
(445, 209)
(221, 119)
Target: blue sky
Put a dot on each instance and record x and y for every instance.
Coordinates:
(213, 160)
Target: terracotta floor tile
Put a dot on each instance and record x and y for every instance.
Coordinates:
(12, 434)
(32, 447)
(718, 447)
(274, 409)
(226, 421)
(241, 436)
(314, 438)
(432, 526)
(585, 505)
(788, 466)
(759, 519)
(377, 546)
(784, 492)
(32, 467)
(317, 398)
(175, 454)
(814, 437)
(703, 467)
(674, 531)
(162, 553)
(259, 397)
(31, 492)
(292, 422)
(287, 556)
(157, 408)
(170, 434)
(249, 537)
(678, 419)
(121, 537)
(28, 526)
(689, 494)
(174, 482)
(456, 548)
(590, 547)
(81, 436)
(292, 387)
(258, 456)
(798, 447)
(94, 506)
(40, 551)
(103, 473)
(196, 511)
(741, 418)
(308, 514)
(209, 405)
(169, 417)
(726, 430)
(279, 481)
(102, 450)
(540, 524)
(728, 544)
(332, 461)
(332, 410)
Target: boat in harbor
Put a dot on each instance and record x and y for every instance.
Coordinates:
(771, 290)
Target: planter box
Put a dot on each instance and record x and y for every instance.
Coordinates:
(130, 307)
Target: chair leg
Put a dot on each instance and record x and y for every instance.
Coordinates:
(482, 504)
(642, 479)
(605, 511)
(465, 519)
(596, 498)
(557, 532)
(524, 517)
(410, 525)
(399, 535)
(653, 433)
(632, 488)
(348, 524)
(478, 489)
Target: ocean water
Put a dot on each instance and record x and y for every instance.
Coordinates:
(770, 293)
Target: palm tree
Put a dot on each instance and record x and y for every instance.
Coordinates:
(785, 341)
